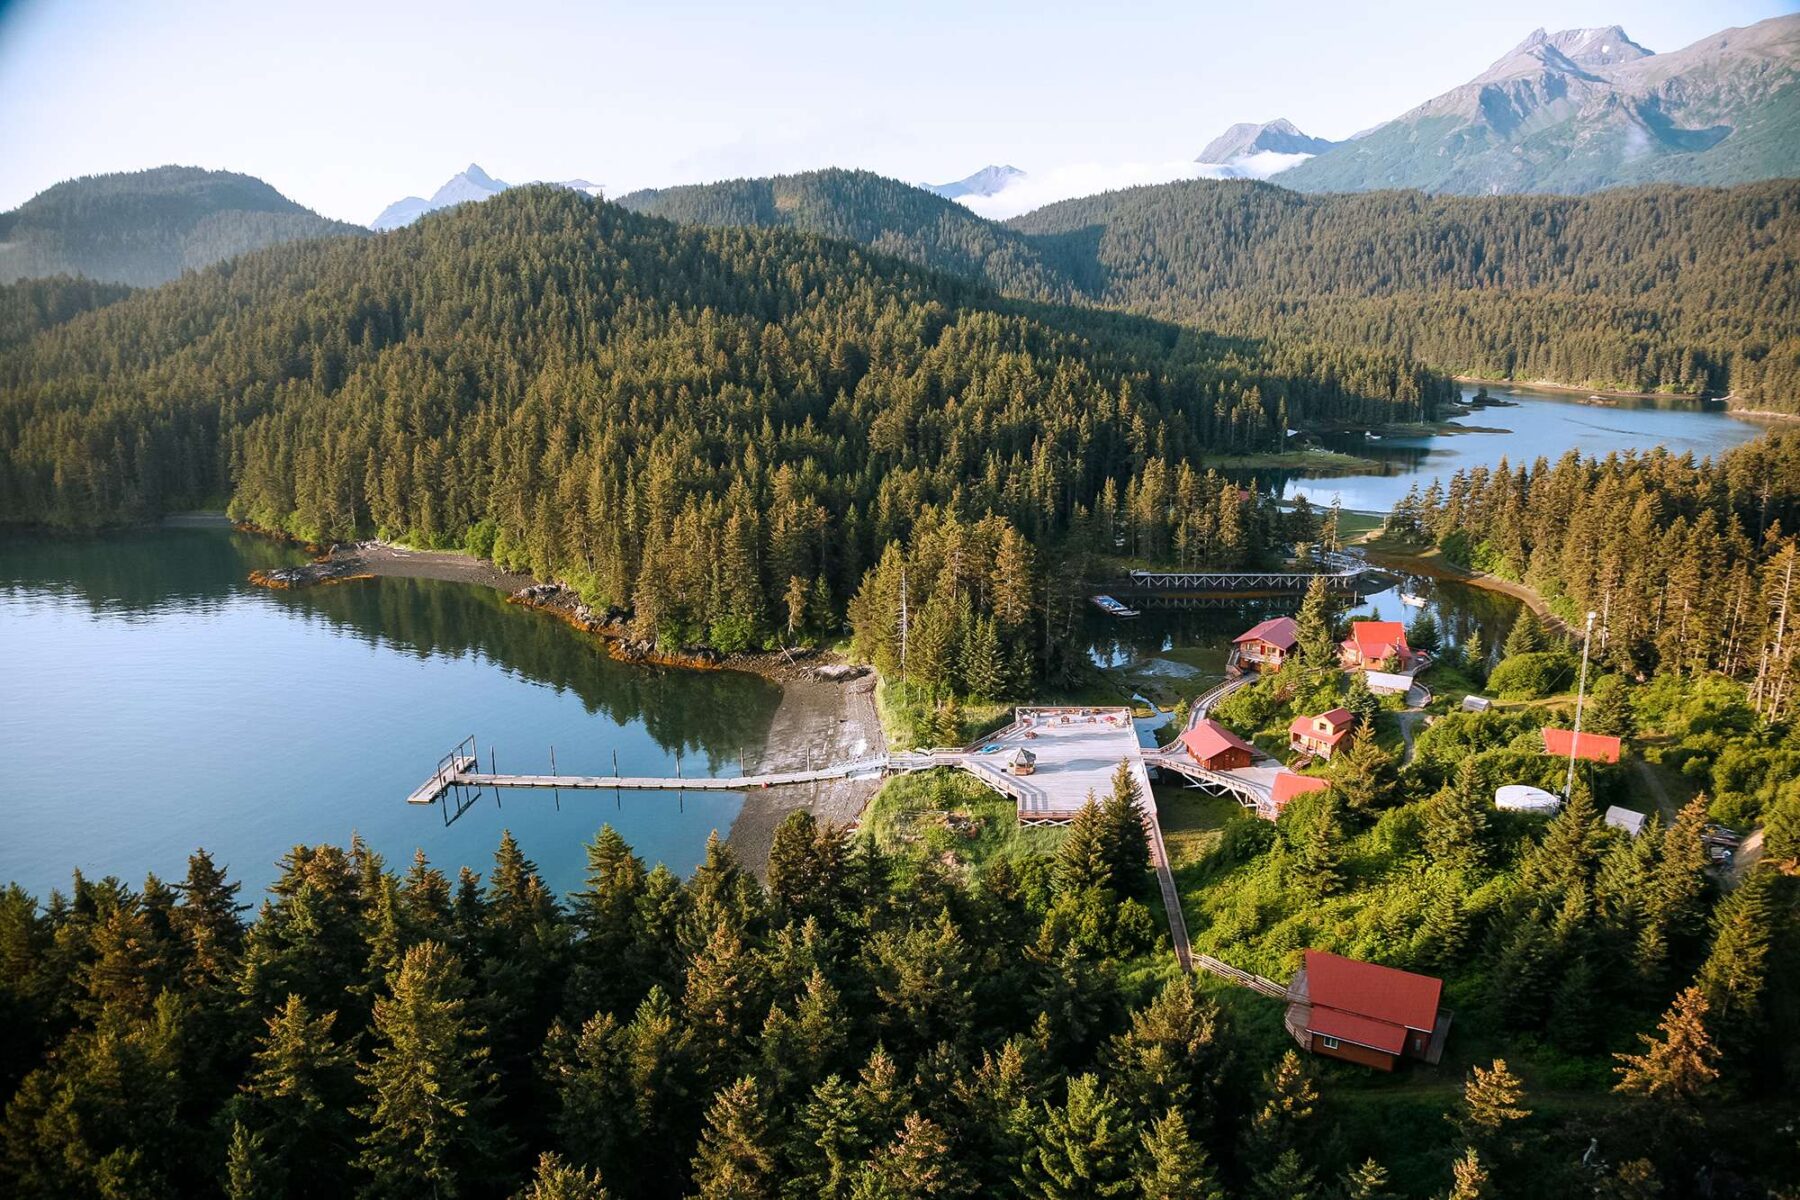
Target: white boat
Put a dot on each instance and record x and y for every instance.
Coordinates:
(1412, 601)
(1373, 437)
(1113, 608)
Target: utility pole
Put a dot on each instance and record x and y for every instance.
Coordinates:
(1587, 638)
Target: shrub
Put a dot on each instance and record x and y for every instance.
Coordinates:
(1532, 676)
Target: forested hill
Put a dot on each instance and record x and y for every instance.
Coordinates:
(890, 216)
(1684, 289)
(692, 422)
(147, 227)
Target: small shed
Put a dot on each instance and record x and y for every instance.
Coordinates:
(1595, 747)
(1517, 797)
(1623, 818)
(1217, 748)
(1476, 704)
(1021, 762)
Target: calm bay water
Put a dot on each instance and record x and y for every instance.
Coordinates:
(1537, 424)
(152, 701)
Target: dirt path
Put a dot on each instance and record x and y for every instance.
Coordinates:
(1406, 721)
(1665, 803)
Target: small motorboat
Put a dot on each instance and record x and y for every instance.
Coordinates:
(1113, 608)
(1412, 601)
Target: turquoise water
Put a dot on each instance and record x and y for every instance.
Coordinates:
(1536, 424)
(152, 701)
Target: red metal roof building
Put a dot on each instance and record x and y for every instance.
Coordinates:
(1595, 747)
(1366, 1013)
(1288, 786)
(1320, 735)
(1372, 643)
(1267, 645)
(1217, 748)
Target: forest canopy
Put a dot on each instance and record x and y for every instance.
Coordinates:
(1653, 288)
(682, 422)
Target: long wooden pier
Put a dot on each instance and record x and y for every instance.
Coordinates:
(463, 773)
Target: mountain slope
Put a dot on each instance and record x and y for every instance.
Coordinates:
(1589, 108)
(147, 227)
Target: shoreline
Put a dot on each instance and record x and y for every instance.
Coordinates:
(1545, 385)
(823, 716)
(1433, 565)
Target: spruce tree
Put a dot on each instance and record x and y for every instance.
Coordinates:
(430, 1086)
(556, 1180)
(1469, 1178)
(1735, 974)
(1172, 1165)
(1682, 1064)
(736, 1158)
(1082, 862)
(1127, 842)
(1081, 1148)
(917, 1164)
(1366, 1182)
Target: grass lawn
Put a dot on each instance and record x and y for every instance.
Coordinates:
(952, 817)
(1193, 822)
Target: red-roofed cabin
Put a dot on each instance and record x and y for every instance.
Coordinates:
(1365, 1013)
(1217, 748)
(1372, 643)
(1320, 735)
(1595, 747)
(1266, 646)
(1288, 785)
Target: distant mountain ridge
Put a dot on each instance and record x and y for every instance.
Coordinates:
(471, 184)
(989, 181)
(1582, 109)
(1280, 136)
(147, 227)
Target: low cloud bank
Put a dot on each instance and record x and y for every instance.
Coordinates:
(1067, 182)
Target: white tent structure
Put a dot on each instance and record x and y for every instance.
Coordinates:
(1516, 797)
(1623, 818)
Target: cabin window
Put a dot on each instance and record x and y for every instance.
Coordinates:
(1329, 1043)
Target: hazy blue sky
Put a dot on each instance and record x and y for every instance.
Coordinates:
(346, 106)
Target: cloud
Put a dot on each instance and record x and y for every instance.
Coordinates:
(1069, 181)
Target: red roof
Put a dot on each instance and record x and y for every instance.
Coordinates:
(1277, 631)
(1367, 1003)
(1595, 746)
(1209, 738)
(1376, 640)
(1289, 785)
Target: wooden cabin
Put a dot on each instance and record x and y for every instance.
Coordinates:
(1217, 748)
(1366, 1013)
(1267, 646)
(1320, 735)
(1594, 747)
(1021, 762)
(1373, 644)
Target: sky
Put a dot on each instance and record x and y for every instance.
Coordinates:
(347, 106)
